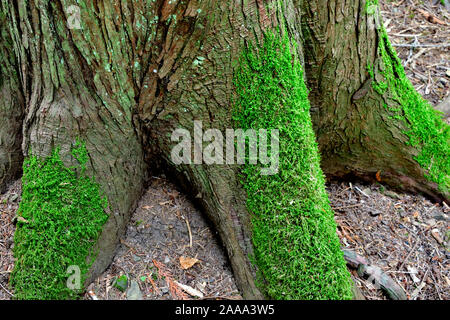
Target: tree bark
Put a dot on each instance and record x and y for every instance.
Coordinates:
(69, 96)
(11, 109)
(138, 70)
(112, 84)
(356, 133)
(204, 91)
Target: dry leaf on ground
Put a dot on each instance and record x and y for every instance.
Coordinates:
(187, 263)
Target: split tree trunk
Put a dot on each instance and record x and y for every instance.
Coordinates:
(140, 69)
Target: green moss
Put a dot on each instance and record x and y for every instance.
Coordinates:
(64, 214)
(426, 129)
(297, 250)
(371, 6)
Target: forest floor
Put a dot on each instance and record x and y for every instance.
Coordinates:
(168, 242)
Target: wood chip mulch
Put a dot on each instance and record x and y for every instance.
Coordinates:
(405, 235)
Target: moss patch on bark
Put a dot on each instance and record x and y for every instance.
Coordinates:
(60, 219)
(296, 248)
(426, 129)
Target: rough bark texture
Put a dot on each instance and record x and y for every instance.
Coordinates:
(69, 95)
(195, 73)
(112, 83)
(137, 70)
(11, 109)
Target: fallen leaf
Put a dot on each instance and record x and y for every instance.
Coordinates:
(436, 258)
(431, 18)
(187, 262)
(378, 176)
(174, 194)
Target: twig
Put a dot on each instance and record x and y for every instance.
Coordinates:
(435, 285)
(409, 254)
(118, 266)
(405, 272)
(382, 281)
(6, 290)
(342, 192)
(154, 286)
(210, 297)
(189, 230)
(346, 207)
(417, 55)
(193, 292)
(420, 286)
(406, 35)
(361, 191)
(405, 45)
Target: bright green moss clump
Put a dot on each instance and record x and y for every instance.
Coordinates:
(371, 6)
(62, 213)
(427, 130)
(294, 234)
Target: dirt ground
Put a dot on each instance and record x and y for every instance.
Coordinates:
(405, 235)
(9, 203)
(164, 228)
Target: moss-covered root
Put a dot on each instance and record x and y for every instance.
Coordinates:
(296, 247)
(60, 218)
(425, 128)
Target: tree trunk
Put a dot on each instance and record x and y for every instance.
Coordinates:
(138, 70)
(367, 116)
(11, 110)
